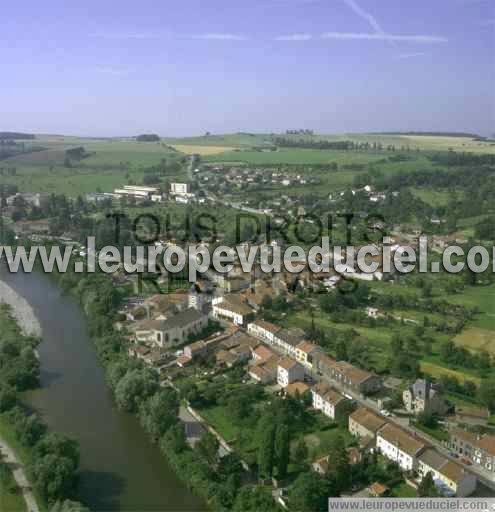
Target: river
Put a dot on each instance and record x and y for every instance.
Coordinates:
(120, 468)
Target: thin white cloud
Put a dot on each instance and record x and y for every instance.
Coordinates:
(125, 35)
(108, 70)
(369, 18)
(294, 37)
(384, 37)
(220, 36)
(411, 55)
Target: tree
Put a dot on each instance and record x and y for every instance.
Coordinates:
(309, 493)
(134, 388)
(254, 499)
(282, 447)
(486, 393)
(427, 488)
(301, 451)
(159, 412)
(59, 445)
(339, 468)
(207, 447)
(266, 451)
(8, 398)
(54, 477)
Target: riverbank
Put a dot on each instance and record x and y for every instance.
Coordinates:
(121, 468)
(21, 310)
(11, 458)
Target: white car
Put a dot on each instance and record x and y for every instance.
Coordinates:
(385, 413)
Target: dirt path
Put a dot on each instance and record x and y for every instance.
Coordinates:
(19, 476)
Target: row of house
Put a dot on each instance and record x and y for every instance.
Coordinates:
(347, 375)
(479, 449)
(411, 453)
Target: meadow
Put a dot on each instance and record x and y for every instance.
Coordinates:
(111, 164)
(421, 142)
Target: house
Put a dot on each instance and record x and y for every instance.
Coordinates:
(174, 330)
(450, 478)
(263, 330)
(266, 372)
(138, 351)
(479, 449)
(347, 375)
(262, 354)
(196, 349)
(27, 227)
(289, 371)
(296, 389)
(233, 309)
(305, 352)
(288, 339)
(364, 423)
(378, 490)
(424, 396)
(327, 400)
(399, 446)
(163, 305)
(321, 465)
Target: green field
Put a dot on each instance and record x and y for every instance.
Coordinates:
(295, 156)
(111, 164)
(421, 142)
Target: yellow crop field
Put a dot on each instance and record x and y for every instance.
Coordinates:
(475, 338)
(460, 144)
(437, 371)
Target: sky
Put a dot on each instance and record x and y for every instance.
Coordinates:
(176, 68)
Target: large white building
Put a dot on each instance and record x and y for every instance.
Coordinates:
(400, 447)
(173, 330)
(179, 189)
(450, 478)
(138, 192)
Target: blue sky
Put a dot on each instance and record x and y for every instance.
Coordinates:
(190, 66)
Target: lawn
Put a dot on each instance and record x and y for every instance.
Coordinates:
(431, 196)
(10, 501)
(403, 490)
(482, 297)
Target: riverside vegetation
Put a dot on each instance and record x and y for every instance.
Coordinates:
(51, 459)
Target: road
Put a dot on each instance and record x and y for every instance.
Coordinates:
(484, 477)
(19, 476)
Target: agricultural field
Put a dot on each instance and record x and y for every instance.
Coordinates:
(421, 142)
(110, 164)
(295, 156)
(201, 150)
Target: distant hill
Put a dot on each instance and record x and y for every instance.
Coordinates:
(432, 134)
(16, 135)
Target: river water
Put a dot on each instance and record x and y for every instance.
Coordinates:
(120, 468)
